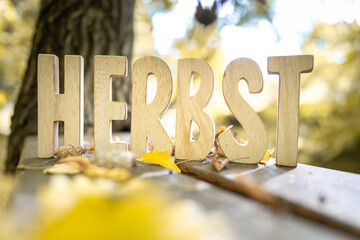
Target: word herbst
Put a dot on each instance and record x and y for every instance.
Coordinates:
(145, 123)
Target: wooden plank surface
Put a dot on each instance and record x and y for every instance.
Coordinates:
(323, 195)
(249, 219)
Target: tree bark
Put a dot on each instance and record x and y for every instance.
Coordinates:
(73, 27)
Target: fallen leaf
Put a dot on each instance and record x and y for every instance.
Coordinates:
(92, 148)
(62, 168)
(161, 158)
(113, 173)
(219, 164)
(72, 165)
(216, 150)
(173, 141)
(151, 146)
(266, 157)
(221, 130)
(80, 161)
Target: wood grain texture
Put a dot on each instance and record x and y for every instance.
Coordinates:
(310, 192)
(54, 107)
(106, 110)
(255, 148)
(190, 108)
(289, 69)
(145, 122)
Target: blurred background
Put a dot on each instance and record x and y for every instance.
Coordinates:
(218, 32)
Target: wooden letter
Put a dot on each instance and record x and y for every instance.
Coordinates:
(106, 110)
(54, 107)
(255, 148)
(145, 122)
(289, 69)
(190, 108)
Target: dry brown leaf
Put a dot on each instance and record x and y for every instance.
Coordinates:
(216, 149)
(113, 173)
(92, 148)
(80, 161)
(62, 168)
(219, 164)
(150, 146)
(212, 152)
(221, 130)
(72, 165)
(220, 152)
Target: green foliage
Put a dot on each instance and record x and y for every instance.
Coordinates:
(329, 130)
(248, 11)
(17, 21)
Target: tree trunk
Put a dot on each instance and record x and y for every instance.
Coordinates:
(73, 27)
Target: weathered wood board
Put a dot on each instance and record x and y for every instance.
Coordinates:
(332, 194)
(324, 195)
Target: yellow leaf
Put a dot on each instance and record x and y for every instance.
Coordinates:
(3, 98)
(266, 157)
(113, 173)
(92, 148)
(62, 168)
(161, 158)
